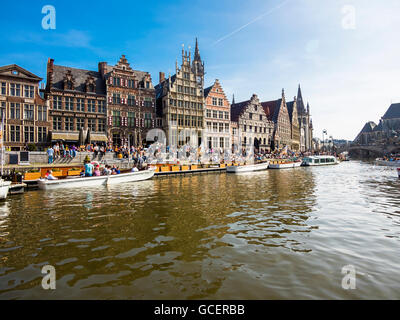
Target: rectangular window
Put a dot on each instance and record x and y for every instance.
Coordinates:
(102, 106)
(148, 102)
(221, 142)
(69, 124)
(15, 90)
(57, 104)
(131, 119)
(15, 111)
(57, 123)
(29, 111)
(116, 118)
(131, 100)
(220, 102)
(180, 89)
(250, 116)
(42, 113)
(42, 134)
(187, 105)
(91, 105)
(116, 98)
(80, 123)
(29, 133)
(147, 84)
(15, 134)
(29, 92)
(215, 114)
(116, 82)
(180, 103)
(226, 114)
(101, 125)
(180, 120)
(209, 126)
(214, 101)
(221, 127)
(215, 127)
(3, 89)
(200, 122)
(69, 104)
(92, 125)
(227, 127)
(80, 105)
(208, 113)
(148, 123)
(194, 121)
(3, 110)
(221, 115)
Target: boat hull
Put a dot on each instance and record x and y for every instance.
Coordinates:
(4, 188)
(96, 181)
(387, 163)
(285, 165)
(248, 168)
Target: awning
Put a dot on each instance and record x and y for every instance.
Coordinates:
(98, 137)
(65, 136)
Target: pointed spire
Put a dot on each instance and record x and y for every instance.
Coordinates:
(283, 93)
(233, 99)
(197, 51)
(300, 103)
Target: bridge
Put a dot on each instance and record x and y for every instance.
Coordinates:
(369, 151)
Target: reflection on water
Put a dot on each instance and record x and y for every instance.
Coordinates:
(274, 234)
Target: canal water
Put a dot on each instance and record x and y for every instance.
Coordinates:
(268, 235)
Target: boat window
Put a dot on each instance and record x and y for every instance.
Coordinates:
(316, 161)
(323, 160)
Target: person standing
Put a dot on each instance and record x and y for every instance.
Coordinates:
(88, 169)
(50, 154)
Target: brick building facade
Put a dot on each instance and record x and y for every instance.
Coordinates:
(130, 103)
(25, 113)
(180, 101)
(217, 117)
(77, 101)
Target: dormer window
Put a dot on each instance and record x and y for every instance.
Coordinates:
(15, 72)
(90, 85)
(69, 81)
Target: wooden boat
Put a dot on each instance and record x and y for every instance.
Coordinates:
(390, 163)
(248, 168)
(4, 187)
(319, 161)
(96, 181)
(285, 165)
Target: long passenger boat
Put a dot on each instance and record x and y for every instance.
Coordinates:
(284, 164)
(390, 163)
(248, 168)
(319, 161)
(73, 182)
(4, 188)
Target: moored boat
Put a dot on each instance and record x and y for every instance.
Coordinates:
(96, 181)
(319, 161)
(4, 188)
(398, 172)
(248, 168)
(390, 163)
(284, 164)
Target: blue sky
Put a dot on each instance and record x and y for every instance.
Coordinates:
(349, 75)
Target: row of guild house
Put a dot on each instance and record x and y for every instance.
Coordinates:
(118, 105)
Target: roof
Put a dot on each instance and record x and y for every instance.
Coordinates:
(22, 73)
(300, 103)
(393, 112)
(237, 109)
(80, 76)
(207, 90)
(369, 127)
(271, 109)
(290, 106)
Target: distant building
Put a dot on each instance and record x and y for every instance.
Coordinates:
(25, 112)
(77, 100)
(180, 101)
(251, 124)
(387, 129)
(305, 123)
(278, 113)
(130, 103)
(295, 126)
(217, 118)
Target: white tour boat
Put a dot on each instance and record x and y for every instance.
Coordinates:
(45, 184)
(285, 165)
(390, 163)
(4, 187)
(319, 161)
(248, 168)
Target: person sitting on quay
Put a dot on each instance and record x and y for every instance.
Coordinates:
(97, 172)
(49, 175)
(88, 169)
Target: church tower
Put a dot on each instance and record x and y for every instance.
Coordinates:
(198, 66)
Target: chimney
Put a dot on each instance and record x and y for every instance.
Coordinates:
(162, 77)
(50, 71)
(102, 68)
